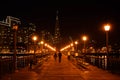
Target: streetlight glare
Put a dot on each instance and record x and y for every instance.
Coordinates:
(42, 42)
(34, 38)
(107, 27)
(71, 44)
(84, 38)
(76, 42)
(45, 44)
(15, 27)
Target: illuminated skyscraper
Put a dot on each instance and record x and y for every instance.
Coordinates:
(57, 37)
(6, 33)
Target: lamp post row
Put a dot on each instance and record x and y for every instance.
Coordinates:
(15, 28)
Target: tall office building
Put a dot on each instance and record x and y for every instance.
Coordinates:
(24, 35)
(57, 36)
(6, 33)
(29, 31)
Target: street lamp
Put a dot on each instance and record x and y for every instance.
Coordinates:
(42, 42)
(107, 28)
(34, 39)
(84, 38)
(45, 46)
(15, 28)
(76, 42)
(72, 48)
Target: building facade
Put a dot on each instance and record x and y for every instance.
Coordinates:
(5, 36)
(23, 37)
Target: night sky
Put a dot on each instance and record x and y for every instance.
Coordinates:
(76, 17)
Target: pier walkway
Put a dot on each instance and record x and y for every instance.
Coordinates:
(53, 70)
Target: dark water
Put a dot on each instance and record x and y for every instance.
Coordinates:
(110, 63)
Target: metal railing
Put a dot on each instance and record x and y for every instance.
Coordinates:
(23, 60)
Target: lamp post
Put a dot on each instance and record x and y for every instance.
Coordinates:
(72, 48)
(45, 46)
(107, 28)
(76, 45)
(42, 42)
(15, 28)
(84, 39)
(34, 39)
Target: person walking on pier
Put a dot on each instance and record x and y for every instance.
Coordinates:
(55, 56)
(31, 63)
(60, 56)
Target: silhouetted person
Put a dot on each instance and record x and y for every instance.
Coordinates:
(55, 56)
(31, 63)
(60, 56)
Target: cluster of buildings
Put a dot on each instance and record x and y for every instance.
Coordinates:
(24, 35)
(7, 35)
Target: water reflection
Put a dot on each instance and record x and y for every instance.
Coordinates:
(100, 61)
(106, 62)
